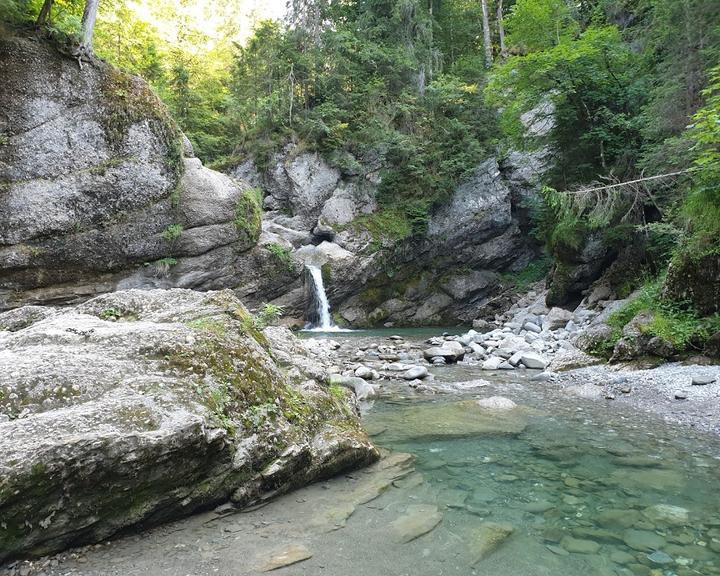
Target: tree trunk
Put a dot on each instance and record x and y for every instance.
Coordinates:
(44, 13)
(501, 28)
(487, 41)
(88, 23)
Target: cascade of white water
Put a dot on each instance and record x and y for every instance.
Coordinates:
(323, 308)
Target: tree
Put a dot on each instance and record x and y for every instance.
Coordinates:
(44, 14)
(88, 23)
(487, 41)
(501, 28)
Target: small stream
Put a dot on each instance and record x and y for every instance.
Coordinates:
(579, 487)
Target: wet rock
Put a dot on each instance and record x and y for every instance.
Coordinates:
(463, 419)
(487, 539)
(621, 557)
(643, 540)
(578, 546)
(364, 372)
(291, 554)
(418, 520)
(680, 395)
(499, 403)
(359, 386)
(667, 514)
(538, 507)
(416, 372)
(659, 558)
(617, 518)
(492, 363)
(450, 351)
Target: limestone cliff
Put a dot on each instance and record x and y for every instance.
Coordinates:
(97, 191)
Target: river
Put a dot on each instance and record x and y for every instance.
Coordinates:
(555, 486)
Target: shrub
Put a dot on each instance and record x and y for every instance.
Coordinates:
(172, 232)
(268, 315)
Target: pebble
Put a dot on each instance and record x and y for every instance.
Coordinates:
(659, 557)
(680, 395)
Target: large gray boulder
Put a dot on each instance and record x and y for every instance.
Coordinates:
(95, 193)
(141, 406)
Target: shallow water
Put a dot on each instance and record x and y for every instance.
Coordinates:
(409, 333)
(578, 482)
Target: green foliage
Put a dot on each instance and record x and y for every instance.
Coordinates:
(212, 325)
(172, 232)
(371, 89)
(702, 206)
(674, 322)
(534, 272)
(282, 255)
(592, 82)
(248, 214)
(268, 315)
(535, 25)
(111, 314)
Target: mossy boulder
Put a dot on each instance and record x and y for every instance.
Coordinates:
(695, 278)
(142, 406)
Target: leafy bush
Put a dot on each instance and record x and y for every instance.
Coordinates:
(282, 255)
(268, 315)
(674, 322)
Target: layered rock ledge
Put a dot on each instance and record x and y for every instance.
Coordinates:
(141, 406)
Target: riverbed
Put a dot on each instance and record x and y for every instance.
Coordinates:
(548, 484)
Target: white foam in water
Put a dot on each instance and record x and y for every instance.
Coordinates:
(323, 307)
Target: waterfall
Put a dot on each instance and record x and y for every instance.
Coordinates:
(321, 319)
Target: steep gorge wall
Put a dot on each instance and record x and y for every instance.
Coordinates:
(97, 190)
(313, 210)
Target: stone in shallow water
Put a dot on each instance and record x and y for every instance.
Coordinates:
(497, 403)
(666, 514)
(463, 419)
(415, 372)
(557, 550)
(488, 538)
(419, 519)
(621, 557)
(702, 380)
(617, 518)
(659, 557)
(291, 554)
(643, 540)
(578, 546)
(663, 480)
(538, 507)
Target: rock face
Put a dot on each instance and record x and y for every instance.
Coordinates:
(696, 280)
(443, 276)
(141, 406)
(95, 191)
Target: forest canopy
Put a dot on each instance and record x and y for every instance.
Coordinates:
(421, 91)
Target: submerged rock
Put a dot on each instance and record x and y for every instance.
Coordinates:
(289, 555)
(487, 539)
(455, 420)
(419, 520)
(141, 406)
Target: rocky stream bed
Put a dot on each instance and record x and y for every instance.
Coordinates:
(503, 472)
